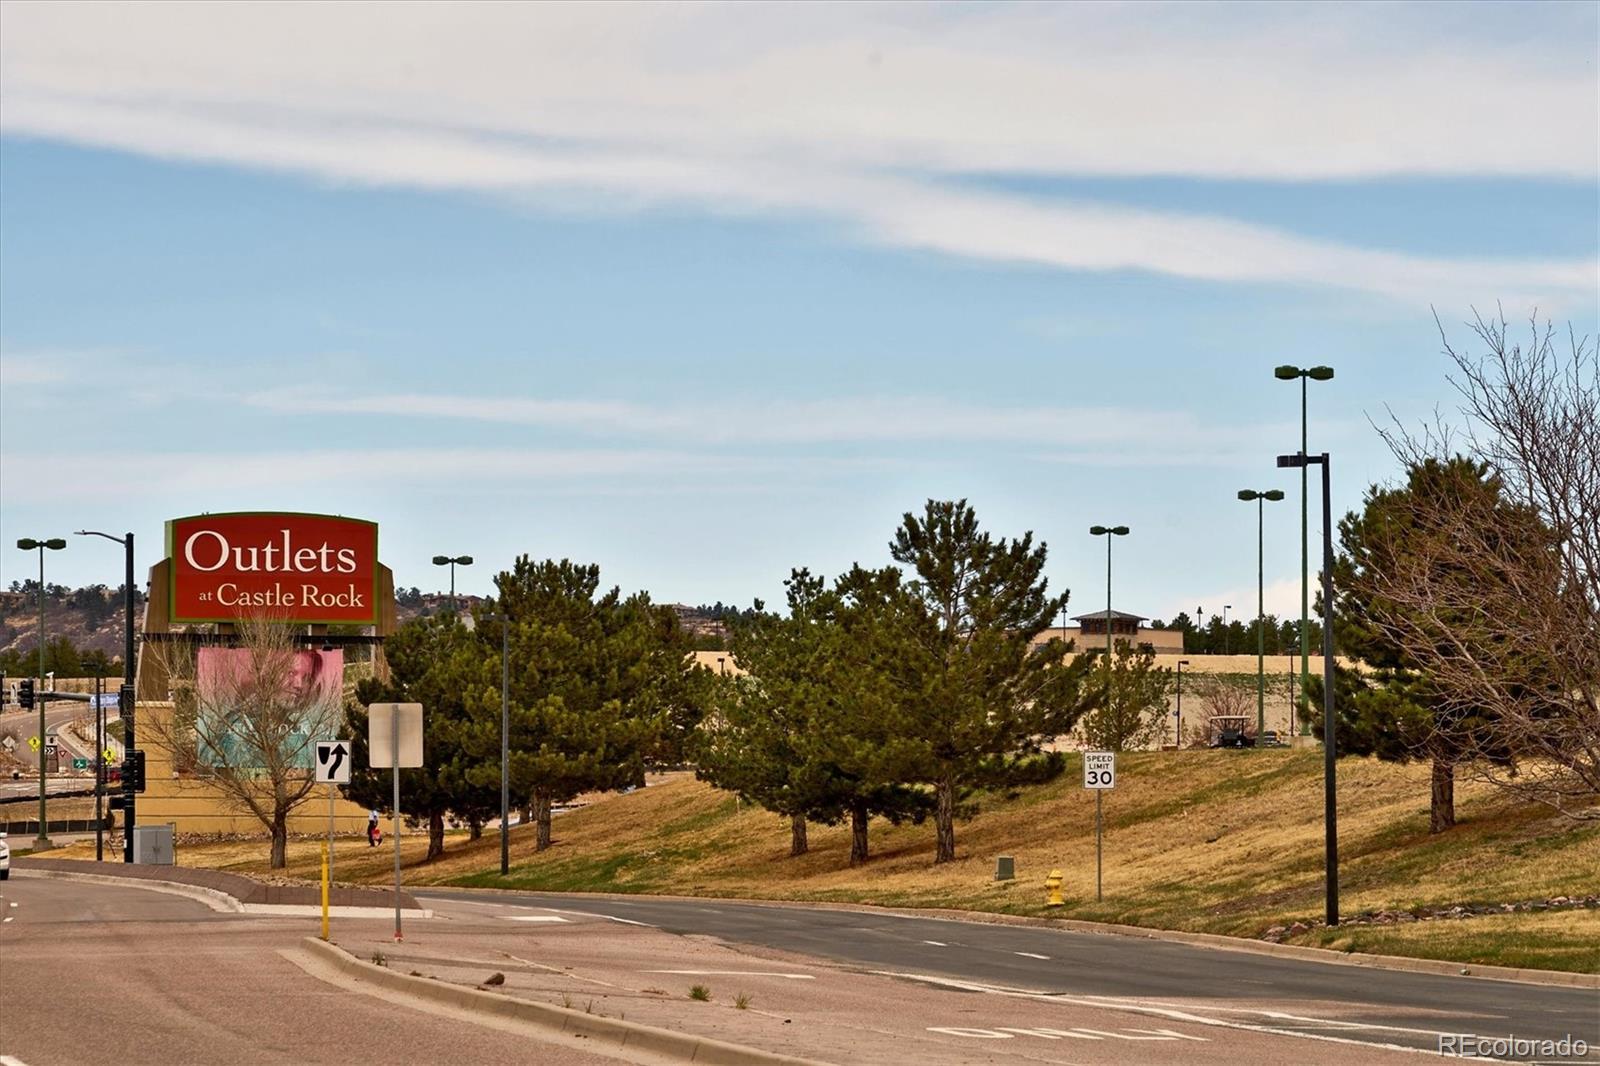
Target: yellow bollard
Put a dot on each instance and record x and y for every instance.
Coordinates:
(1053, 883)
(324, 890)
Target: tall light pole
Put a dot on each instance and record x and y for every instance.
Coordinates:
(125, 699)
(1181, 664)
(451, 562)
(1315, 373)
(1260, 499)
(28, 544)
(1107, 532)
(505, 740)
(1330, 812)
(1227, 637)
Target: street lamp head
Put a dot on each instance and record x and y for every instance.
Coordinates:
(1286, 373)
(464, 560)
(441, 560)
(1094, 531)
(1248, 494)
(55, 544)
(1320, 373)
(28, 544)
(1297, 459)
(1273, 494)
(1121, 531)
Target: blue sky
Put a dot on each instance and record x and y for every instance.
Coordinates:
(704, 293)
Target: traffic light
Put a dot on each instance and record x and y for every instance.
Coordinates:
(133, 772)
(25, 694)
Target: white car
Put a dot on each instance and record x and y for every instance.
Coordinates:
(5, 858)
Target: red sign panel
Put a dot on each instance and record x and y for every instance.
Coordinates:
(304, 568)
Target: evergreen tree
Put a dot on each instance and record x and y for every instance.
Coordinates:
(1391, 710)
(595, 682)
(432, 661)
(987, 696)
(755, 742)
(1135, 714)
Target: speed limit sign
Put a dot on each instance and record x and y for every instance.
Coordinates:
(1099, 769)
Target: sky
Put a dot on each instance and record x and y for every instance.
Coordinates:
(701, 293)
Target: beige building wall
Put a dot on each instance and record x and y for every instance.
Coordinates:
(194, 804)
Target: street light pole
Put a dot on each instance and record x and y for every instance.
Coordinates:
(1330, 811)
(1260, 499)
(451, 561)
(127, 696)
(1317, 373)
(28, 544)
(505, 740)
(1227, 637)
(1107, 532)
(1181, 664)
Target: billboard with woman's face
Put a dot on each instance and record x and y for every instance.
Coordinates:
(251, 701)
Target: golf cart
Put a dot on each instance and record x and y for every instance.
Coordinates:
(1228, 731)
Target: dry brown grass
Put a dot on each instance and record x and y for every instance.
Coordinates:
(1226, 842)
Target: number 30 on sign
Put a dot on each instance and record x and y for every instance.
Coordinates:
(1099, 769)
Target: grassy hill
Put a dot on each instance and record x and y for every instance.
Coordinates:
(1212, 841)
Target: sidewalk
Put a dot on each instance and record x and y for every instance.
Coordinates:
(611, 968)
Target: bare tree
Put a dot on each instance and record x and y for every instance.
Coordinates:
(1224, 698)
(1503, 614)
(247, 721)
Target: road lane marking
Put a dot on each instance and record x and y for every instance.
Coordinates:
(738, 973)
(11, 1060)
(534, 918)
(936, 943)
(1157, 1010)
(1030, 955)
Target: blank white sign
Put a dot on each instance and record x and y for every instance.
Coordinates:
(383, 719)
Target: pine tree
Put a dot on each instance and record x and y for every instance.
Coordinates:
(1391, 710)
(988, 696)
(433, 661)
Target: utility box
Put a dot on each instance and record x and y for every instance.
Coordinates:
(1005, 868)
(152, 845)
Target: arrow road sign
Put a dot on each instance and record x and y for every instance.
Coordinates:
(333, 762)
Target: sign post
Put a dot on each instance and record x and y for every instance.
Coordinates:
(1099, 774)
(333, 769)
(394, 739)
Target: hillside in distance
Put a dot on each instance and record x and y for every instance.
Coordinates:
(91, 616)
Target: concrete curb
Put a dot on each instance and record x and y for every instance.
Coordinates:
(217, 901)
(618, 1034)
(220, 901)
(1326, 956)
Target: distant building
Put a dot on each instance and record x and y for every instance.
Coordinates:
(1090, 633)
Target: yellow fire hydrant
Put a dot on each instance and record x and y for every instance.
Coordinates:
(1053, 883)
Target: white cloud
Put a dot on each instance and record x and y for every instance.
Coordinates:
(194, 474)
(860, 114)
(1075, 435)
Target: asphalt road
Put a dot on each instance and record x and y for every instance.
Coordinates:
(115, 974)
(1380, 1006)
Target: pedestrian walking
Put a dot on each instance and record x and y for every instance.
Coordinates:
(373, 835)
